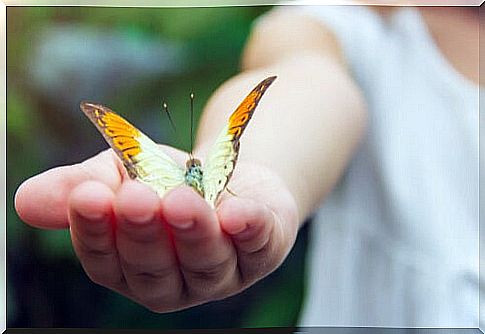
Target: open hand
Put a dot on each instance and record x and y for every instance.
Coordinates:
(171, 253)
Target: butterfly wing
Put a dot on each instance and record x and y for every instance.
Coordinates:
(142, 158)
(223, 155)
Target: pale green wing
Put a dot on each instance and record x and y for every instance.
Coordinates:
(223, 155)
(155, 168)
(143, 159)
(219, 166)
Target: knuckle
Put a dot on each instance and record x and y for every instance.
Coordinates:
(258, 247)
(139, 266)
(205, 274)
(261, 263)
(99, 253)
(86, 248)
(155, 275)
(211, 272)
(270, 255)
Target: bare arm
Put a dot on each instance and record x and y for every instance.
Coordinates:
(310, 121)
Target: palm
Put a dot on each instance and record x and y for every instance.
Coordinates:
(168, 253)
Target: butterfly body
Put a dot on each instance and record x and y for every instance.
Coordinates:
(146, 162)
(194, 176)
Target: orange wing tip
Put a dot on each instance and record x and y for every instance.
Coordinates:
(239, 118)
(92, 109)
(84, 105)
(269, 80)
(263, 85)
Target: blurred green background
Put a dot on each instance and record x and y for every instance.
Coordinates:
(130, 59)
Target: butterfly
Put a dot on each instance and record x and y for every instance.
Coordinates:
(146, 162)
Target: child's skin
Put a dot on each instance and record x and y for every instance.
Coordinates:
(176, 252)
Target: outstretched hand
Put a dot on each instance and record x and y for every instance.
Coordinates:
(171, 253)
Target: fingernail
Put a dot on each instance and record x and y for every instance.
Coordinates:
(92, 215)
(239, 229)
(182, 225)
(141, 219)
(246, 233)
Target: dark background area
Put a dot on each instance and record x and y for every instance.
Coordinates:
(130, 59)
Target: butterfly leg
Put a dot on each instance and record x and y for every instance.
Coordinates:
(231, 192)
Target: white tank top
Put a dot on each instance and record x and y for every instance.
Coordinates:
(396, 243)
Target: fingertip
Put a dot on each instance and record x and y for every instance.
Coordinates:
(181, 207)
(92, 200)
(243, 218)
(43, 200)
(30, 204)
(136, 202)
(20, 202)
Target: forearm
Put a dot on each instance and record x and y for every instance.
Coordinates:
(305, 128)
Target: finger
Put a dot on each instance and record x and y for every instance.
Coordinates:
(206, 255)
(256, 234)
(38, 205)
(90, 212)
(146, 254)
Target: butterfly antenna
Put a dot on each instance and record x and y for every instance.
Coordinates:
(191, 124)
(172, 123)
(165, 108)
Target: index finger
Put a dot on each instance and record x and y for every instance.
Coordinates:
(42, 201)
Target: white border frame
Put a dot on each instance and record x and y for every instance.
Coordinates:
(180, 3)
(3, 167)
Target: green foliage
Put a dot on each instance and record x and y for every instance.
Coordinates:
(19, 123)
